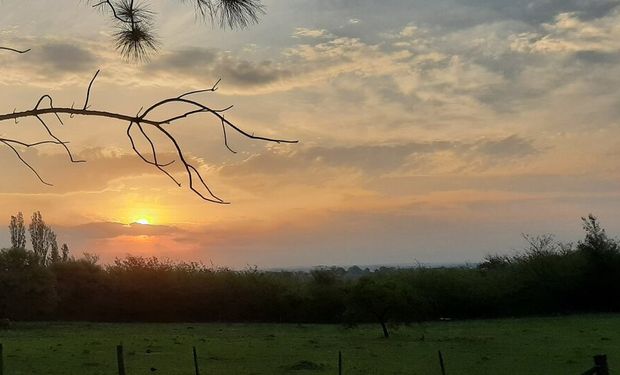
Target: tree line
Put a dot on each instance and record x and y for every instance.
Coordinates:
(547, 277)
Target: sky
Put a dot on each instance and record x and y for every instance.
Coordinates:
(430, 131)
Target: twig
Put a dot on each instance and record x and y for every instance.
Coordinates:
(90, 85)
(15, 50)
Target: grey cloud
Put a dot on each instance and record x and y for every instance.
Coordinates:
(451, 14)
(513, 146)
(60, 57)
(378, 158)
(597, 57)
(367, 157)
(191, 59)
(211, 63)
(536, 12)
(50, 62)
(247, 73)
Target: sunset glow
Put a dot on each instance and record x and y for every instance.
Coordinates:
(431, 131)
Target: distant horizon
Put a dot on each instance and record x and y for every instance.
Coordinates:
(146, 231)
(373, 267)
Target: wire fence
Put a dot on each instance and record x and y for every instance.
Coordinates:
(600, 367)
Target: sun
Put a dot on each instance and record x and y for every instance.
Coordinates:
(143, 221)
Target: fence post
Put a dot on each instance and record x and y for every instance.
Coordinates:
(443, 367)
(1, 360)
(195, 362)
(600, 362)
(120, 359)
(339, 362)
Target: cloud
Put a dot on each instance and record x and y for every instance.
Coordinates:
(408, 31)
(536, 12)
(50, 60)
(320, 58)
(63, 57)
(189, 59)
(568, 33)
(101, 169)
(111, 240)
(509, 147)
(380, 159)
(205, 64)
(100, 230)
(312, 33)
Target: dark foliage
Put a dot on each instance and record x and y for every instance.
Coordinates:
(547, 278)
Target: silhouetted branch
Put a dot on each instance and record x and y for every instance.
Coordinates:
(90, 85)
(111, 7)
(226, 138)
(8, 143)
(140, 120)
(212, 89)
(14, 50)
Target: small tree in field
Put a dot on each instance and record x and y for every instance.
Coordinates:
(376, 300)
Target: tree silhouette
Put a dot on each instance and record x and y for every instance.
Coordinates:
(376, 299)
(18, 231)
(64, 249)
(135, 40)
(54, 256)
(41, 236)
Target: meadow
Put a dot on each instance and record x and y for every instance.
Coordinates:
(551, 345)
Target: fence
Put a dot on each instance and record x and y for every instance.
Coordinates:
(600, 363)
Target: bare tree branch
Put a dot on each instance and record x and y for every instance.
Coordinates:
(14, 50)
(142, 120)
(111, 7)
(136, 40)
(90, 86)
(226, 138)
(8, 143)
(212, 89)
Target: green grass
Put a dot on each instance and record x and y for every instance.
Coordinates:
(561, 345)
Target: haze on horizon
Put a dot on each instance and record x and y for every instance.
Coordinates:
(430, 131)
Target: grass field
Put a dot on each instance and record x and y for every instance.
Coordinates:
(561, 345)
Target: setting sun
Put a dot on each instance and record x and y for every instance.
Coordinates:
(143, 221)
